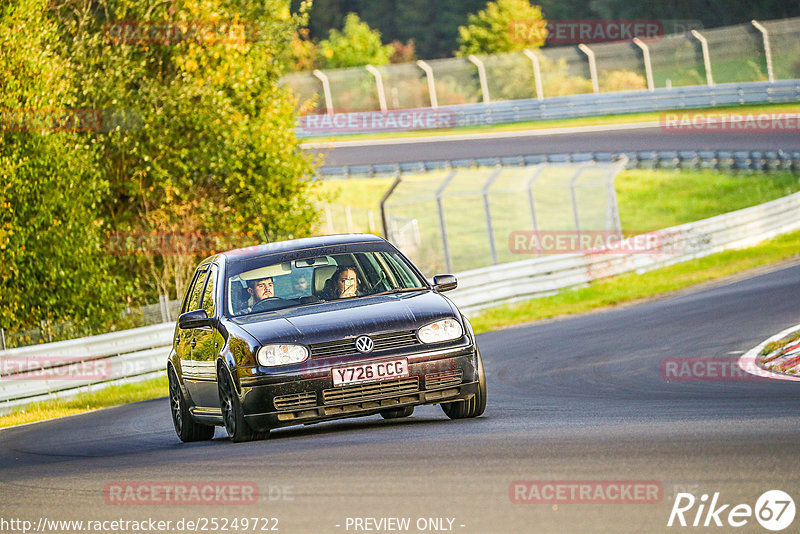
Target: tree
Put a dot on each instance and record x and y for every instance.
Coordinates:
(356, 45)
(51, 242)
(197, 137)
(504, 26)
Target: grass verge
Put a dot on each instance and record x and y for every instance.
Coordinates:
(653, 116)
(631, 287)
(85, 402)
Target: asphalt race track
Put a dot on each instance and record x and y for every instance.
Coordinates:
(645, 138)
(577, 399)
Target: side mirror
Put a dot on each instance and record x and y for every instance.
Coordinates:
(193, 319)
(444, 282)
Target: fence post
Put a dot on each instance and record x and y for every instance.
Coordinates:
(3, 337)
(706, 56)
(431, 84)
(163, 302)
(487, 210)
(442, 225)
(648, 65)
(767, 48)
(326, 90)
(575, 214)
(532, 199)
(382, 204)
(348, 217)
(612, 210)
(482, 76)
(537, 73)
(592, 66)
(329, 218)
(379, 82)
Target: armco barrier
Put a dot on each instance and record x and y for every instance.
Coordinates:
(127, 356)
(142, 352)
(589, 105)
(773, 160)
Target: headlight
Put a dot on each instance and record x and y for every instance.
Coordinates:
(270, 355)
(444, 330)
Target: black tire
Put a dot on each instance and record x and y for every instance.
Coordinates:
(472, 407)
(397, 413)
(185, 426)
(232, 415)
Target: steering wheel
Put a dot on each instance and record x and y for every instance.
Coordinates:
(269, 303)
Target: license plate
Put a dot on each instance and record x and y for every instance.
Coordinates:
(369, 372)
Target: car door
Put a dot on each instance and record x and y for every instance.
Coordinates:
(205, 347)
(186, 336)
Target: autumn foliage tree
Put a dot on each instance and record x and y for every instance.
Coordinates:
(197, 137)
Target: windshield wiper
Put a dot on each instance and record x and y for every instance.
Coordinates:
(400, 290)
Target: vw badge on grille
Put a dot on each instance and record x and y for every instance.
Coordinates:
(364, 344)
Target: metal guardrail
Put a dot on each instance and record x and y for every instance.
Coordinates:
(671, 159)
(139, 353)
(491, 286)
(583, 105)
(77, 365)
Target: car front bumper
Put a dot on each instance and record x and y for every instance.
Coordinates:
(433, 378)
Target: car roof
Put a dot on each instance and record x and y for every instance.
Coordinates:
(281, 247)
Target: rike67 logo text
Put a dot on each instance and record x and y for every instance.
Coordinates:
(774, 510)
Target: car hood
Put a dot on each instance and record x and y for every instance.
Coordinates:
(347, 318)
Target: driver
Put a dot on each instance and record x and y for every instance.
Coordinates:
(259, 290)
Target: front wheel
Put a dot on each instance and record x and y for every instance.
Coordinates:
(237, 428)
(472, 407)
(186, 427)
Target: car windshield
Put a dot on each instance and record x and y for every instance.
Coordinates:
(274, 286)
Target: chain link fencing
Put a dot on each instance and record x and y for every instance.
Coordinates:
(736, 53)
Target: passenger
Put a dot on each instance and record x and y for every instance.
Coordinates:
(345, 283)
(300, 287)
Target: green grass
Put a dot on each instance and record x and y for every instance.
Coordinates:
(558, 123)
(84, 402)
(631, 287)
(651, 200)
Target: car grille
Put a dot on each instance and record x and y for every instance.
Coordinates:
(443, 380)
(372, 390)
(345, 347)
(298, 400)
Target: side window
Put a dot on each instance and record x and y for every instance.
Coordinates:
(401, 270)
(197, 290)
(208, 296)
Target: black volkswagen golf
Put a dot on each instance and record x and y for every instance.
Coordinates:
(309, 330)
